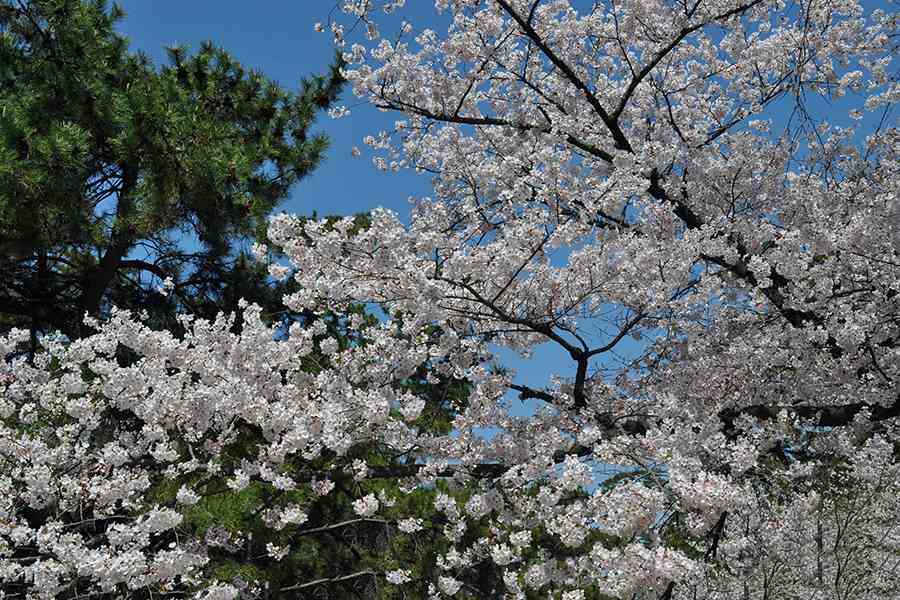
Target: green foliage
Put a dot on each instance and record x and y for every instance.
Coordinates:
(107, 162)
(677, 537)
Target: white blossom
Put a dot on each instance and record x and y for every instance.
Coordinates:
(366, 506)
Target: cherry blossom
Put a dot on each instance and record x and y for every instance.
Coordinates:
(654, 189)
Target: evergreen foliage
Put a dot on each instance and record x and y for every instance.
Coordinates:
(107, 163)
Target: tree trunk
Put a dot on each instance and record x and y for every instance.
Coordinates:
(121, 241)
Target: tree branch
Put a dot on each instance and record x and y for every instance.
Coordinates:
(399, 105)
(612, 125)
(661, 54)
(325, 580)
(143, 266)
(341, 525)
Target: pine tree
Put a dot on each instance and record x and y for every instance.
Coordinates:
(108, 163)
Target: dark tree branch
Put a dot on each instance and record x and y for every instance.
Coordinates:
(490, 121)
(662, 53)
(143, 266)
(716, 534)
(821, 416)
(612, 125)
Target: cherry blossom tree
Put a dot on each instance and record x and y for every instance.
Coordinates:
(716, 179)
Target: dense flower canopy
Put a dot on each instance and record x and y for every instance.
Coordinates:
(659, 171)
